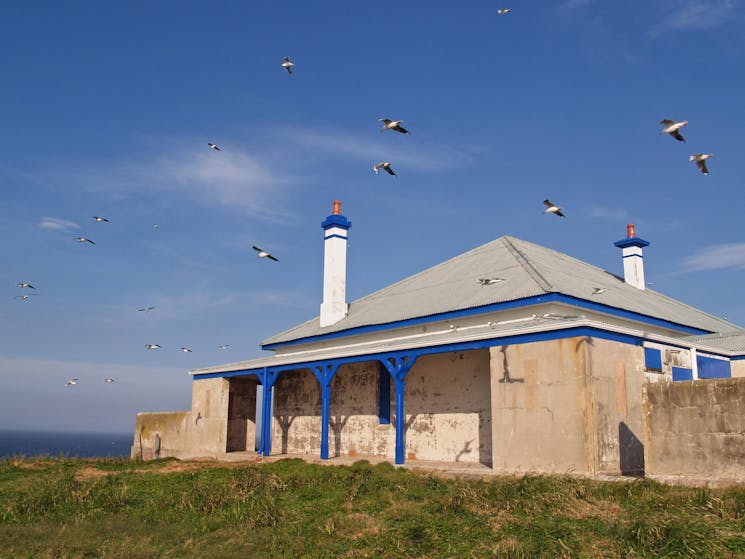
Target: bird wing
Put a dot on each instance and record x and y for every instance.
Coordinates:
(389, 170)
(385, 120)
(558, 212)
(667, 122)
(377, 167)
(548, 203)
(270, 257)
(91, 242)
(257, 249)
(701, 164)
(675, 134)
(401, 129)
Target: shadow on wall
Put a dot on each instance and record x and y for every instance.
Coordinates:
(631, 452)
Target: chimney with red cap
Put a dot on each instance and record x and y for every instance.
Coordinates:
(334, 306)
(633, 259)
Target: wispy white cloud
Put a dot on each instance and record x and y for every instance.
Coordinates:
(731, 255)
(599, 212)
(58, 224)
(678, 15)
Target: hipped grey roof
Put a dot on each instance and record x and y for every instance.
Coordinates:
(529, 270)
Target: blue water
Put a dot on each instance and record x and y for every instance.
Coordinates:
(51, 443)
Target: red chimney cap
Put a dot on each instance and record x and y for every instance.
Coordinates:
(630, 233)
(337, 208)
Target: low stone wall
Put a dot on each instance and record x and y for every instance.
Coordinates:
(160, 434)
(695, 429)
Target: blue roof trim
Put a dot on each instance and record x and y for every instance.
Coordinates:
(336, 221)
(535, 300)
(632, 242)
(571, 332)
(736, 357)
(332, 236)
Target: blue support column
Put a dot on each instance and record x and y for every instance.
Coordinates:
(268, 378)
(325, 374)
(398, 366)
(384, 407)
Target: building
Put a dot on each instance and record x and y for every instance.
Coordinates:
(511, 355)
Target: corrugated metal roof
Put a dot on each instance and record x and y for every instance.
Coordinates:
(734, 341)
(528, 269)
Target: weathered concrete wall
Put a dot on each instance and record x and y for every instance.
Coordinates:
(539, 406)
(160, 434)
(354, 425)
(738, 368)
(696, 429)
(614, 398)
(448, 408)
(242, 414)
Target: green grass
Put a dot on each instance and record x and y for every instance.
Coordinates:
(73, 508)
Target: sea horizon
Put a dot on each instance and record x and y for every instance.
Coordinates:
(79, 444)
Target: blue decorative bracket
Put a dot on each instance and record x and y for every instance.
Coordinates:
(325, 372)
(399, 366)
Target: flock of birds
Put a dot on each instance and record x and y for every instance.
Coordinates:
(673, 128)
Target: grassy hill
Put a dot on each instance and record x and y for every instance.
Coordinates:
(65, 508)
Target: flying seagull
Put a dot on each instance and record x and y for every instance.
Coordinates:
(71, 382)
(109, 380)
(490, 281)
(599, 290)
(24, 297)
(223, 346)
(152, 346)
(385, 165)
(185, 350)
(213, 146)
(389, 124)
(552, 208)
(264, 254)
(673, 128)
(503, 11)
(26, 285)
(83, 240)
(700, 159)
(99, 219)
(145, 309)
(287, 64)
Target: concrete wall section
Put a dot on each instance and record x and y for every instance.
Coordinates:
(160, 434)
(448, 408)
(738, 368)
(242, 414)
(539, 406)
(696, 429)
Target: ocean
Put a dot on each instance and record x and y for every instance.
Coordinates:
(56, 443)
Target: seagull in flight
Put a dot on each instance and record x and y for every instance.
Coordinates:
(185, 350)
(24, 297)
(264, 254)
(700, 159)
(83, 240)
(385, 165)
(224, 346)
(145, 309)
(599, 290)
(490, 281)
(100, 219)
(109, 380)
(503, 11)
(552, 208)
(152, 346)
(26, 285)
(71, 382)
(213, 146)
(287, 64)
(389, 124)
(673, 128)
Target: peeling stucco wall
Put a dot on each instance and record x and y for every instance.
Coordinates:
(738, 368)
(696, 429)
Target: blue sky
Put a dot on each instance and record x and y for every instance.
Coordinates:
(107, 109)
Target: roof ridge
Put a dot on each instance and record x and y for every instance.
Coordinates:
(532, 271)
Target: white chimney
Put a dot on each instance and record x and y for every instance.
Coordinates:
(334, 306)
(633, 259)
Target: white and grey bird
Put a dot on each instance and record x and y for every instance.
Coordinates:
(700, 159)
(83, 240)
(99, 219)
(503, 11)
(71, 382)
(25, 297)
(145, 309)
(185, 350)
(264, 254)
(109, 380)
(26, 286)
(673, 128)
(152, 346)
(223, 346)
(213, 146)
(287, 64)
(490, 281)
(389, 124)
(552, 208)
(599, 290)
(386, 166)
